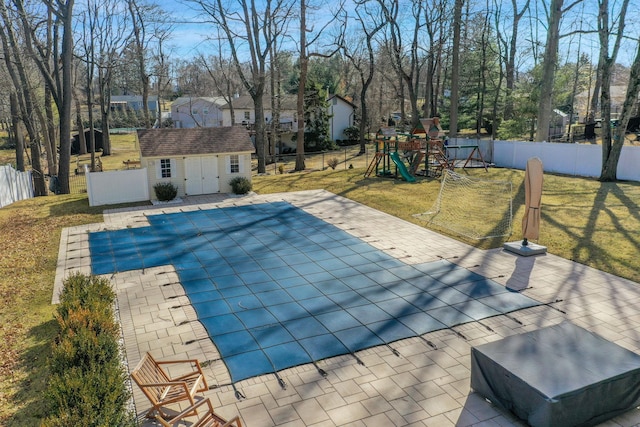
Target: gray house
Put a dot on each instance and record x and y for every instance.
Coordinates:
(192, 112)
(133, 103)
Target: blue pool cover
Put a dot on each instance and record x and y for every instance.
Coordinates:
(277, 287)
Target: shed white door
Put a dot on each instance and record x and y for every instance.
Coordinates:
(201, 175)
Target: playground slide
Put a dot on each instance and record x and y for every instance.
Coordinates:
(402, 168)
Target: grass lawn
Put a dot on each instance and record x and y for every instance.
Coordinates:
(584, 220)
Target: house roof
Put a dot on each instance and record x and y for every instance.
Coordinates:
(184, 142)
(132, 98)
(343, 99)
(245, 102)
(186, 100)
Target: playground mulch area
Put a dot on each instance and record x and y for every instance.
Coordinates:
(404, 374)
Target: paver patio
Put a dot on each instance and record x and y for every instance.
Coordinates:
(421, 381)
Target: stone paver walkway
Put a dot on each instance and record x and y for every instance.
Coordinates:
(422, 381)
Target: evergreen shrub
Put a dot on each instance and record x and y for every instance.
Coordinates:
(240, 185)
(87, 383)
(165, 191)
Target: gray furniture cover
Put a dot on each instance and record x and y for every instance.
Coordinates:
(561, 375)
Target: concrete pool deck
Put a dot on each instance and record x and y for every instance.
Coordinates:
(421, 381)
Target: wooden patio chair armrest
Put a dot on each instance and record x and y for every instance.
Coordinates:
(162, 384)
(182, 384)
(231, 422)
(168, 362)
(188, 376)
(194, 362)
(187, 412)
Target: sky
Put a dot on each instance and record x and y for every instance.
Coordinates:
(191, 33)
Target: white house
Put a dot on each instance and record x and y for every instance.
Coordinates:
(341, 114)
(197, 160)
(193, 112)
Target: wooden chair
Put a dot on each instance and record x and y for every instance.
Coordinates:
(206, 419)
(161, 389)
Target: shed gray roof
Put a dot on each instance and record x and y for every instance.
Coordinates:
(184, 142)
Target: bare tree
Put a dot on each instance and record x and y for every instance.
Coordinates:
(140, 14)
(611, 149)
(455, 68)
(436, 26)
(509, 49)
(305, 52)
(403, 47)
(24, 91)
(111, 36)
(16, 130)
(302, 85)
(359, 50)
(245, 28)
(549, 64)
(89, 19)
(56, 70)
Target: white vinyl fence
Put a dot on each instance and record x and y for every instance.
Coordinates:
(109, 188)
(14, 185)
(562, 158)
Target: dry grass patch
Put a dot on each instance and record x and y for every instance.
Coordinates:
(583, 220)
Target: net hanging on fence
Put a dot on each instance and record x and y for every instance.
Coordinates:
(473, 207)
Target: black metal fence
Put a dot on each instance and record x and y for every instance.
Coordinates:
(345, 158)
(77, 184)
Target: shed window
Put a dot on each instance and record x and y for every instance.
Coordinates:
(165, 168)
(234, 163)
(247, 115)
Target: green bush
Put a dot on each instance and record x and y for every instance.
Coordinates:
(240, 185)
(88, 383)
(512, 129)
(352, 133)
(165, 191)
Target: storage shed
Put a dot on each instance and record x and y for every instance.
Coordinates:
(198, 160)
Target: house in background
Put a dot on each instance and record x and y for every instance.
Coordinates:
(194, 112)
(133, 103)
(197, 160)
(341, 113)
(245, 114)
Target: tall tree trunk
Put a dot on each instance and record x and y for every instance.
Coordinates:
(455, 69)
(17, 131)
(510, 66)
(66, 57)
(304, 61)
(25, 98)
(548, 71)
(611, 149)
(259, 127)
(46, 143)
(51, 131)
(82, 147)
(610, 164)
